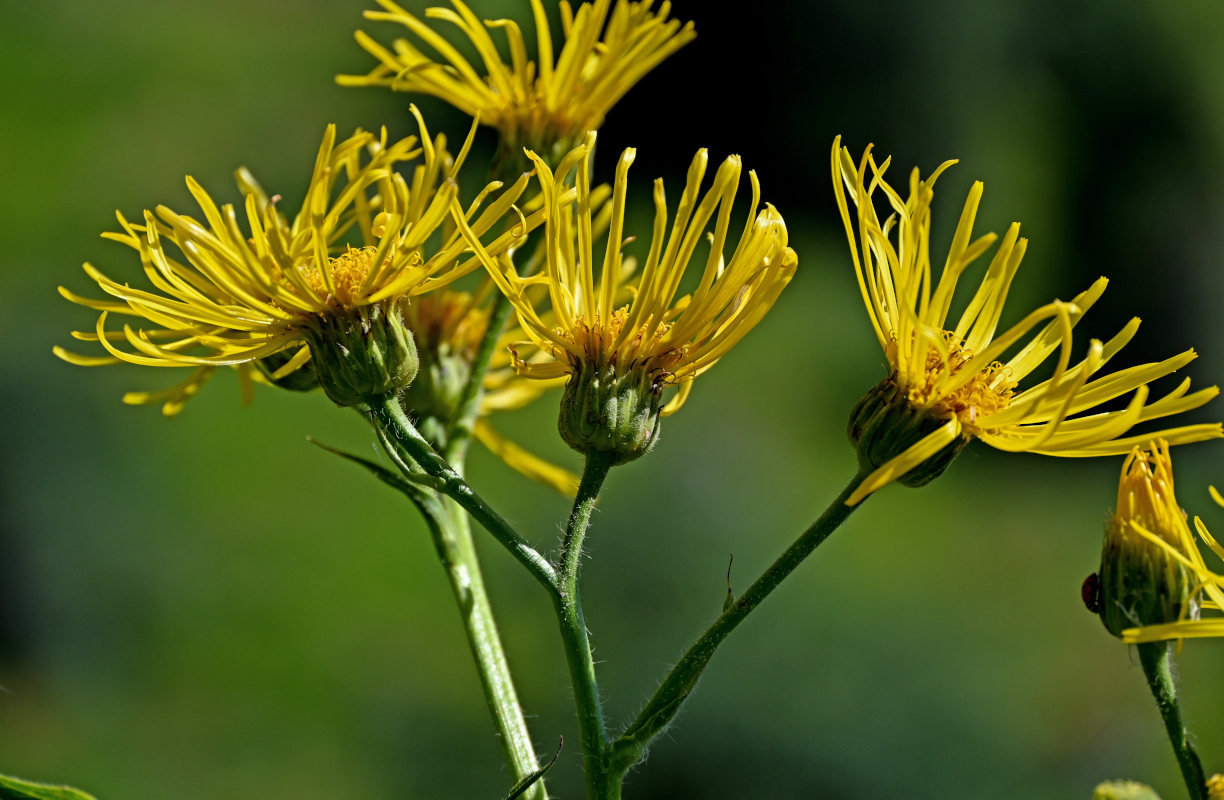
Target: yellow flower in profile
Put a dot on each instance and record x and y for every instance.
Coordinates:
(963, 381)
(532, 103)
(622, 357)
(224, 296)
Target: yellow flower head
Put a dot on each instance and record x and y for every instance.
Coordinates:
(532, 103)
(659, 338)
(965, 379)
(224, 295)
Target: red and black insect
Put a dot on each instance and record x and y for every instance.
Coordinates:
(1091, 593)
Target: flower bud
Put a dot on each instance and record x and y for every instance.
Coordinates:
(447, 329)
(1124, 790)
(438, 386)
(614, 414)
(362, 355)
(1142, 581)
(885, 424)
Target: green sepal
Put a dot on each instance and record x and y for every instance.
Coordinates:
(1140, 582)
(884, 424)
(1124, 790)
(362, 355)
(16, 789)
(617, 415)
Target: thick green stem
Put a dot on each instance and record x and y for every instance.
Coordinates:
(568, 603)
(1155, 659)
(662, 707)
(403, 436)
(448, 526)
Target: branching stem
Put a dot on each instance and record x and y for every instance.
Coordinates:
(408, 443)
(675, 688)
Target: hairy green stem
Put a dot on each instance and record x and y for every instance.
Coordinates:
(1155, 659)
(578, 655)
(452, 538)
(675, 688)
(404, 438)
(448, 526)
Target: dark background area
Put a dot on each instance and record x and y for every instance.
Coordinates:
(210, 607)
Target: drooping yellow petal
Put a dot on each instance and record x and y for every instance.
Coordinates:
(526, 462)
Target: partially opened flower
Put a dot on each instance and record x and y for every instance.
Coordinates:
(296, 292)
(1148, 557)
(951, 383)
(1199, 614)
(619, 359)
(608, 47)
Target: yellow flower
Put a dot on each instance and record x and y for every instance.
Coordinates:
(659, 338)
(1167, 529)
(223, 296)
(532, 103)
(961, 378)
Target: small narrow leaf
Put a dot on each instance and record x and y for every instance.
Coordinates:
(16, 789)
(529, 781)
(410, 488)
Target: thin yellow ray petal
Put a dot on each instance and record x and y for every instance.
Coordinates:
(925, 448)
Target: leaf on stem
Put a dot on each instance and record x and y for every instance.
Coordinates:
(409, 485)
(16, 789)
(529, 781)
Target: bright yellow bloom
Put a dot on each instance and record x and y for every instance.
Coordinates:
(223, 296)
(533, 103)
(666, 338)
(961, 377)
(1168, 530)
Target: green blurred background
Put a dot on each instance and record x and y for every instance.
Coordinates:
(210, 607)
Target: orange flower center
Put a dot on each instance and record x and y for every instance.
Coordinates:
(597, 342)
(348, 271)
(987, 392)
